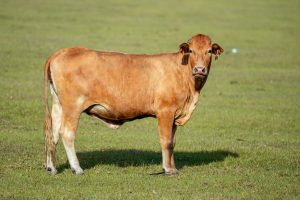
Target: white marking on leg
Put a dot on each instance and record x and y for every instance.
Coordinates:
(68, 138)
(165, 155)
(50, 166)
(56, 115)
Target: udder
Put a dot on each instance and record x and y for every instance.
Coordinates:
(103, 113)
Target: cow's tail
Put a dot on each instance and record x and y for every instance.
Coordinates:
(49, 144)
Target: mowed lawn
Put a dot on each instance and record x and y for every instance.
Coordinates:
(242, 142)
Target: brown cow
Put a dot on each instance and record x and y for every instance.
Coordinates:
(118, 87)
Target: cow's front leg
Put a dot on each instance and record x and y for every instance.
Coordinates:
(174, 142)
(167, 141)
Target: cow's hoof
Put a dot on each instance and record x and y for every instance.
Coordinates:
(171, 172)
(78, 171)
(51, 171)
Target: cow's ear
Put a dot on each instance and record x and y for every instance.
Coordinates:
(217, 50)
(185, 48)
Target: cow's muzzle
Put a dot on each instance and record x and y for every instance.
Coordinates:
(200, 71)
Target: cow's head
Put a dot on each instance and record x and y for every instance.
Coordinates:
(197, 52)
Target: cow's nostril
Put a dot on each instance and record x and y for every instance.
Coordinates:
(195, 70)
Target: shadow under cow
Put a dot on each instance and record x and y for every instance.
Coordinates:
(133, 157)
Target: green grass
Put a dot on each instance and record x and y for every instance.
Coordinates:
(242, 142)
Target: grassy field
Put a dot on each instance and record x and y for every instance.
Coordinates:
(242, 142)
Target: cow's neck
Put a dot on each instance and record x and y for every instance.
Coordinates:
(194, 87)
(199, 83)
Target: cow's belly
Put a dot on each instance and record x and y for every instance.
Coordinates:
(100, 110)
(103, 113)
(112, 118)
(106, 112)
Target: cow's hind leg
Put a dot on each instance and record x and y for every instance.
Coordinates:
(167, 141)
(68, 131)
(56, 116)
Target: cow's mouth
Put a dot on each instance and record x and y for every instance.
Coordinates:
(200, 72)
(201, 76)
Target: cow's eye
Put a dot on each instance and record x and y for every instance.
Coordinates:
(210, 51)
